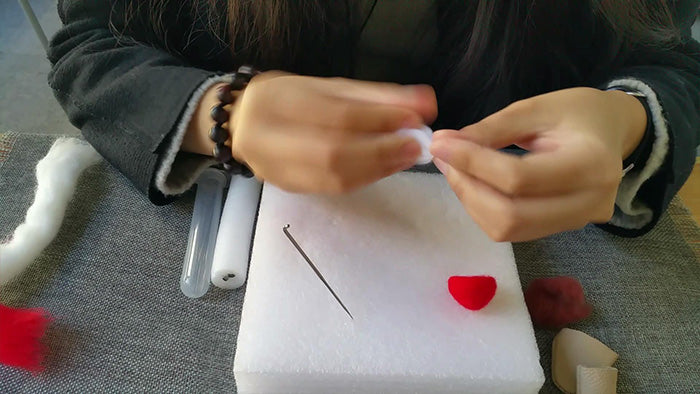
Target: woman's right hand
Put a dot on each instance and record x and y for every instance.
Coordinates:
(327, 135)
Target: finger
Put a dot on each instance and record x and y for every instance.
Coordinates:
(419, 98)
(447, 134)
(366, 160)
(323, 165)
(540, 142)
(291, 160)
(303, 159)
(354, 117)
(522, 219)
(518, 122)
(461, 184)
(534, 174)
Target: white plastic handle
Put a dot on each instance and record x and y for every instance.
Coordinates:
(232, 252)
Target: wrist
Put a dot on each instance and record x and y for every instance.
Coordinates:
(196, 139)
(233, 125)
(634, 116)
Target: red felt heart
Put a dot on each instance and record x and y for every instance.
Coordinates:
(472, 292)
(556, 302)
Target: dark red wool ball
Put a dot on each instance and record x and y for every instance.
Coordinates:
(556, 302)
(472, 292)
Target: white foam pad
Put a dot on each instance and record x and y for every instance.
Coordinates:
(387, 251)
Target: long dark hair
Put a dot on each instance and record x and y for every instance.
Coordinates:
(527, 46)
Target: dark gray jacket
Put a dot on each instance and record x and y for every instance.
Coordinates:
(127, 96)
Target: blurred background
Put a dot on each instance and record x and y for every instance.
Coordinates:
(26, 102)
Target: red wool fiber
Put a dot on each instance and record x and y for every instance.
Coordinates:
(21, 331)
(472, 292)
(556, 302)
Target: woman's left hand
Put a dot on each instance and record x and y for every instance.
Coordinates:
(576, 138)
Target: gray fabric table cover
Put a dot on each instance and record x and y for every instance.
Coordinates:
(111, 280)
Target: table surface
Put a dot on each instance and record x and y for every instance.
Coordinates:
(110, 279)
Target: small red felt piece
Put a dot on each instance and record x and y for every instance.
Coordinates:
(21, 331)
(556, 302)
(472, 292)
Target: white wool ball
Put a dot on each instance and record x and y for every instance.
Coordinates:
(424, 136)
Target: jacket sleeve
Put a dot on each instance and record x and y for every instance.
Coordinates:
(127, 97)
(670, 80)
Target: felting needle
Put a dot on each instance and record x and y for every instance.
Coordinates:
(313, 267)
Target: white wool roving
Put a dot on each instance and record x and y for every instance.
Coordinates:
(57, 174)
(424, 136)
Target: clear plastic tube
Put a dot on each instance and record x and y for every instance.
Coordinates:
(196, 270)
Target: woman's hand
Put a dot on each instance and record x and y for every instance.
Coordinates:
(577, 140)
(327, 135)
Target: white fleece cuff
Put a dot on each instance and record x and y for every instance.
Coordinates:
(630, 212)
(179, 170)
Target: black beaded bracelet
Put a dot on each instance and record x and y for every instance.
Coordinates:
(220, 134)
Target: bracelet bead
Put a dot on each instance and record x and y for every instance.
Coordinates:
(220, 134)
(219, 114)
(222, 153)
(239, 83)
(224, 94)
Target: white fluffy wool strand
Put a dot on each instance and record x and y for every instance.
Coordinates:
(57, 175)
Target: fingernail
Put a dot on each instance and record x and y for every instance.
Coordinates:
(440, 150)
(420, 90)
(441, 165)
(438, 133)
(442, 133)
